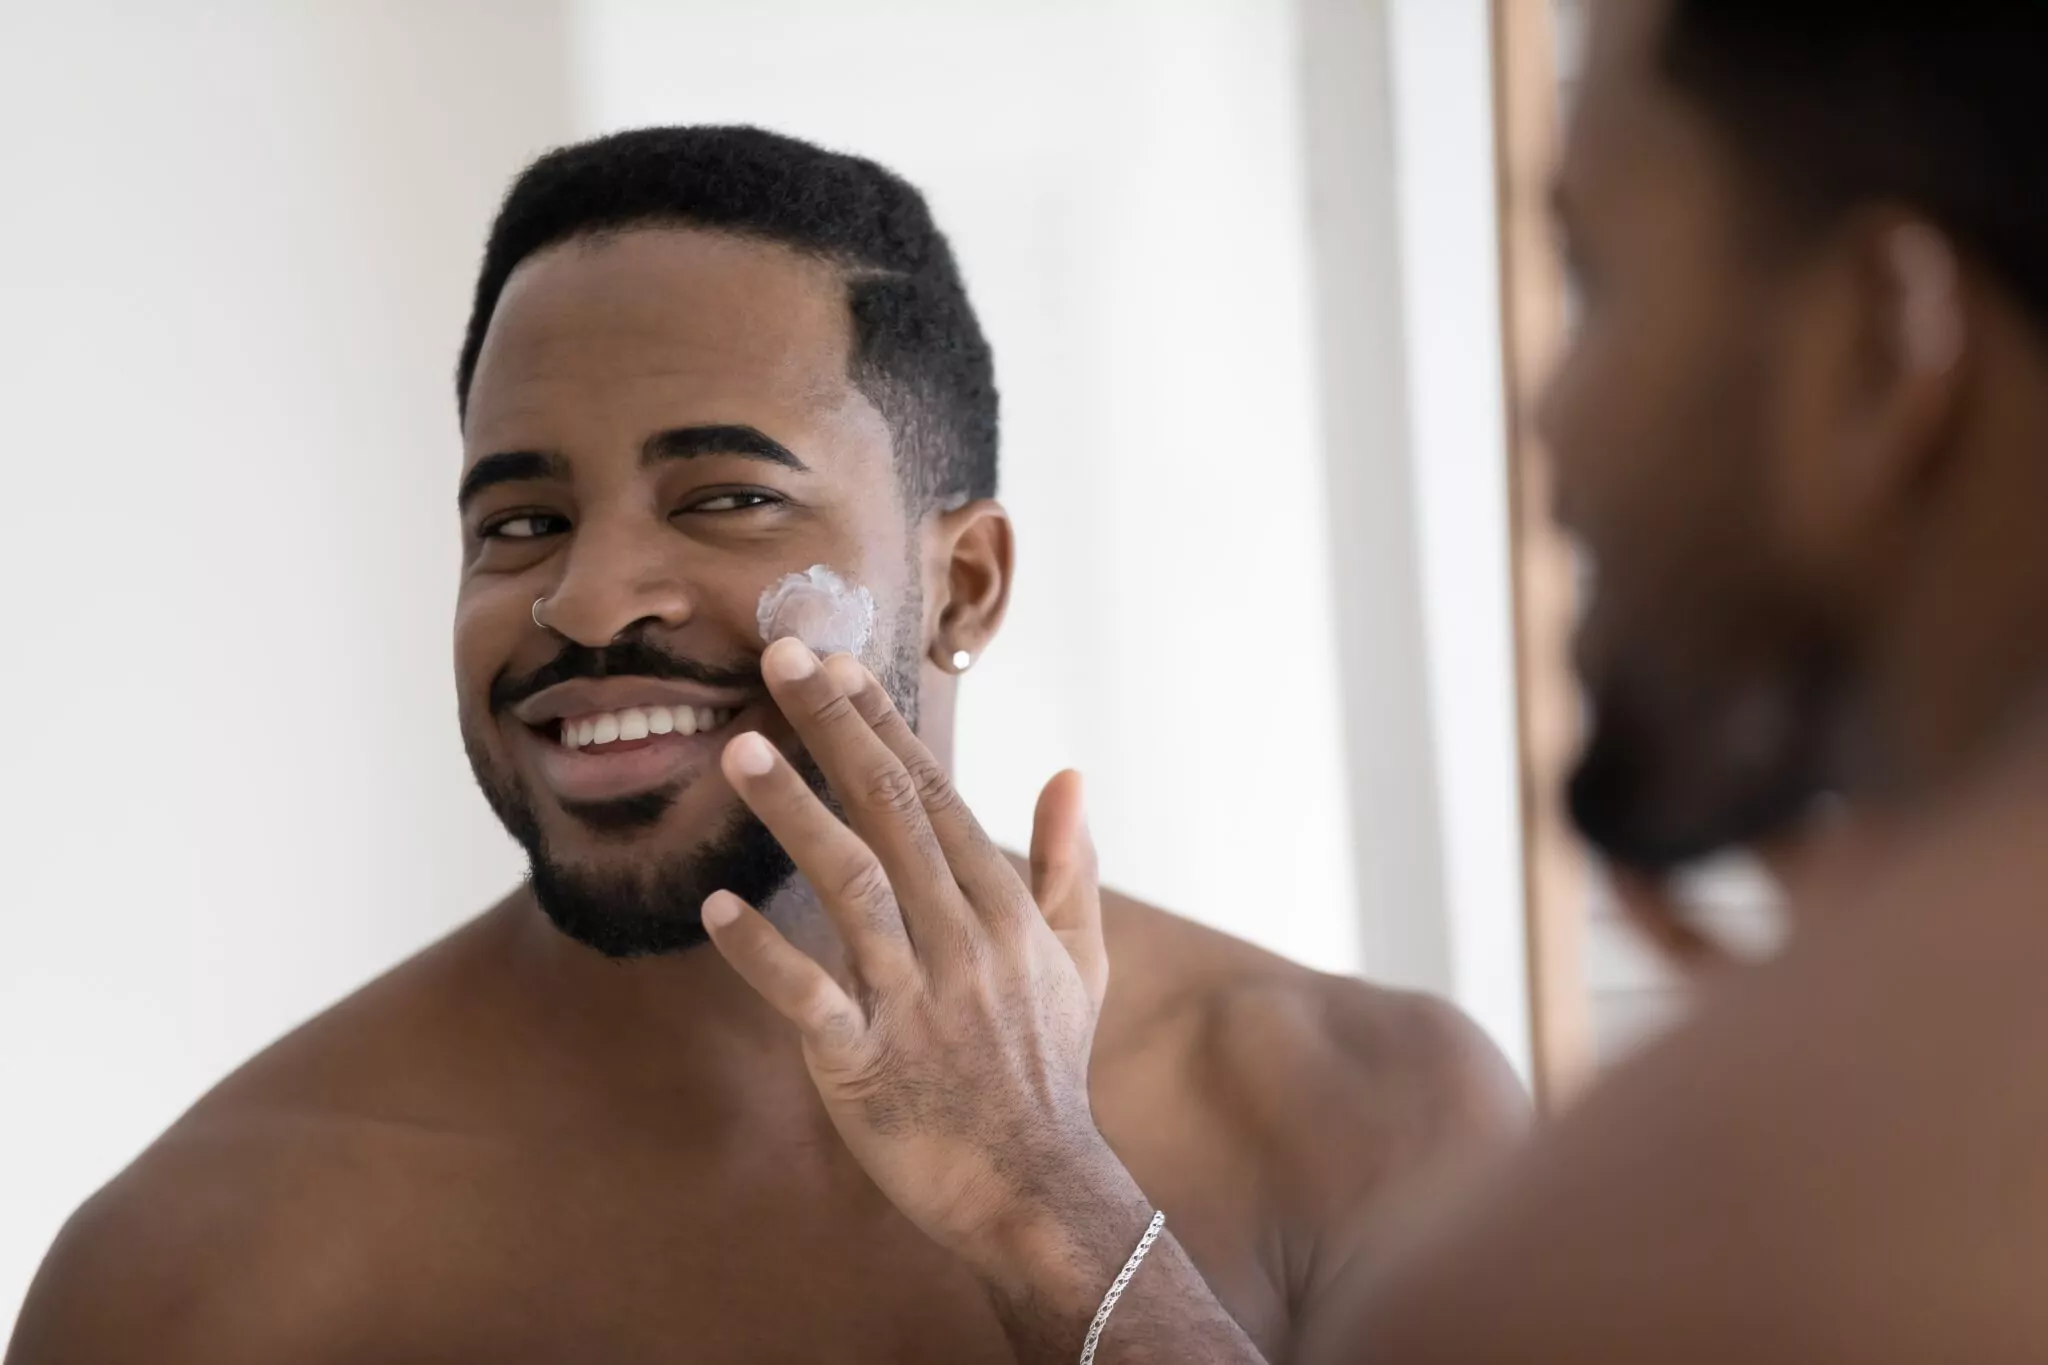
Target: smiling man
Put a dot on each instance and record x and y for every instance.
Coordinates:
(701, 360)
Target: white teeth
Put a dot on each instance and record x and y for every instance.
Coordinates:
(638, 722)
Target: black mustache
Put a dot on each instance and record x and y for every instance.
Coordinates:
(624, 658)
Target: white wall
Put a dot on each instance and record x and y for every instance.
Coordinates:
(1400, 152)
(234, 270)
(1444, 188)
(1370, 490)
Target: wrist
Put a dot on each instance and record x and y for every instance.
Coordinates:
(1052, 1252)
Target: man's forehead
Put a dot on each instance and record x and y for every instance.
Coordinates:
(698, 314)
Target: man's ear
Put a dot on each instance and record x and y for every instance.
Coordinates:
(1888, 348)
(968, 560)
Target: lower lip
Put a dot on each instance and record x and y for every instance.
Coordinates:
(617, 771)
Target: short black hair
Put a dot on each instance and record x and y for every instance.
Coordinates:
(1938, 106)
(918, 350)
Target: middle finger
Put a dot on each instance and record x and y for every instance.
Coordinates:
(878, 793)
(850, 884)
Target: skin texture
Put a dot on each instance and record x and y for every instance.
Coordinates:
(511, 1148)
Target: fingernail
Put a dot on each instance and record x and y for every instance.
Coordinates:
(752, 754)
(721, 909)
(789, 659)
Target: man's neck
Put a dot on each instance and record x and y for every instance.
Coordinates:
(676, 1020)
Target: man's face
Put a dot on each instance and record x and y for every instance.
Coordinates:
(660, 426)
(1711, 671)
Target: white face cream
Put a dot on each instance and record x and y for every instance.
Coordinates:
(820, 608)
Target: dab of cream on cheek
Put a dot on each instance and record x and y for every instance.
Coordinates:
(820, 608)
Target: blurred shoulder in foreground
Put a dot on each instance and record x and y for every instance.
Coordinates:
(1839, 1158)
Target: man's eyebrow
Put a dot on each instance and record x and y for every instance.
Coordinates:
(684, 443)
(509, 466)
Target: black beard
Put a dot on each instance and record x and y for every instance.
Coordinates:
(656, 906)
(1613, 800)
(1670, 777)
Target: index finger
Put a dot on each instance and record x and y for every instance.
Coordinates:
(880, 798)
(980, 867)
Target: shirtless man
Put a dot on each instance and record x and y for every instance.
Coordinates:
(1803, 433)
(699, 360)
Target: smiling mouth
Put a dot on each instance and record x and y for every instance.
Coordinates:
(603, 732)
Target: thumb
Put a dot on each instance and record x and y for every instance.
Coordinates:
(1064, 879)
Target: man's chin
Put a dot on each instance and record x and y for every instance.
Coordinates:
(1623, 825)
(629, 877)
(616, 916)
(625, 906)
(1651, 817)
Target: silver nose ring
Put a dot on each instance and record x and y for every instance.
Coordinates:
(536, 613)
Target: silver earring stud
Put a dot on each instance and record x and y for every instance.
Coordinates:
(962, 661)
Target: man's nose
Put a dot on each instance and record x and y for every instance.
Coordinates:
(616, 577)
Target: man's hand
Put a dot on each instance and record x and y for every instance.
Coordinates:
(954, 1058)
(954, 1062)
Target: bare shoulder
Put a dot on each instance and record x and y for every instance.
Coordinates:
(222, 1243)
(1845, 1140)
(1339, 1084)
(260, 1224)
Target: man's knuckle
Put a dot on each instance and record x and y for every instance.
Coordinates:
(864, 884)
(979, 845)
(872, 703)
(934, 789)
(890, 788)
(833, 708)
(827, 1015)
(1010, 935)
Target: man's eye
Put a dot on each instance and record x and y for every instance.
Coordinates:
(733, 502)
(526, 526)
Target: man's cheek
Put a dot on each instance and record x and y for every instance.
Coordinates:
(484, 635)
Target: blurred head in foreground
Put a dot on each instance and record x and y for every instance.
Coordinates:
(1801, 432)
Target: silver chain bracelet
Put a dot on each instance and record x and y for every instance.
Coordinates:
(1116, 1290)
